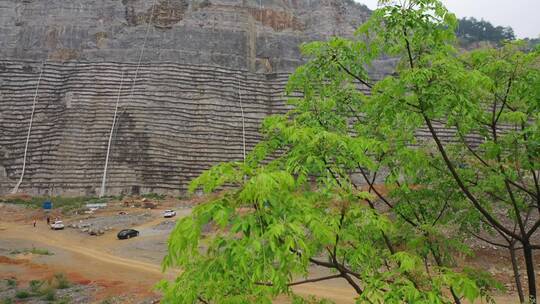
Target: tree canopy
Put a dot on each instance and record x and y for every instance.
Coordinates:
(471, 30)
(378, 181)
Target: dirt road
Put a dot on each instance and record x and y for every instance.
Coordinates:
(85, 260)
(93, 259)
(128, 266)
(48, 238)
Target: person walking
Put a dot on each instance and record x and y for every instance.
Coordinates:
(34, 223)
(48, 220)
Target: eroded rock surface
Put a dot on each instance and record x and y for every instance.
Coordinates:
(202, 60)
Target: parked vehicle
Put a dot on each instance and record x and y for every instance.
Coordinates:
(169, 213)
(127, 234)
(57, 225)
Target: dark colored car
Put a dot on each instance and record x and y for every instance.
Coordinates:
(127, 233)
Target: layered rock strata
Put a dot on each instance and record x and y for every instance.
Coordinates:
(209, 70)
(178, 121)
(202, 60)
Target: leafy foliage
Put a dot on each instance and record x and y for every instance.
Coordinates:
(33, 250)
(343, 181)
(22, 294)
(61, 281)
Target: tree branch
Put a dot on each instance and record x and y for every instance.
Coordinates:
(305, 281)
(328, 264)
(488, 241)
(505, 99)
(362, 81)
(440, 213)
(371, 187)
(460, 183)
(534, 228)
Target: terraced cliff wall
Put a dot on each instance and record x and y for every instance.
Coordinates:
(180, 120)
(202, 59)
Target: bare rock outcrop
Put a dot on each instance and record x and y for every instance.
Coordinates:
(204, 61)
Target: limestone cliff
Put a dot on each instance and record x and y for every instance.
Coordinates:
(238, 34)
(202, 60)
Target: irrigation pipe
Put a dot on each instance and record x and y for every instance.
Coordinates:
(16, 188)
(116, 123)
(148, 22)
(104, 180)
(243, 121)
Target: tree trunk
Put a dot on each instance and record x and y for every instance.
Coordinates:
(439, 263)
(529, 264)
(517, 275)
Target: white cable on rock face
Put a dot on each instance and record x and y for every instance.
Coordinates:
(103, 181)
(148, 23)
(117, 123)
(16, 188)
(243, 121)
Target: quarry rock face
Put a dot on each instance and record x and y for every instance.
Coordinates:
(253, 35)
(210, 69)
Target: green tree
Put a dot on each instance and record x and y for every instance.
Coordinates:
(471, 30)
(346, 181)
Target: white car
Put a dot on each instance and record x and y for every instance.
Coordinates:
(169, 213)
(57, 225)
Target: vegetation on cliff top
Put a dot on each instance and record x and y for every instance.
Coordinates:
(472, 33)
(471, 30)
